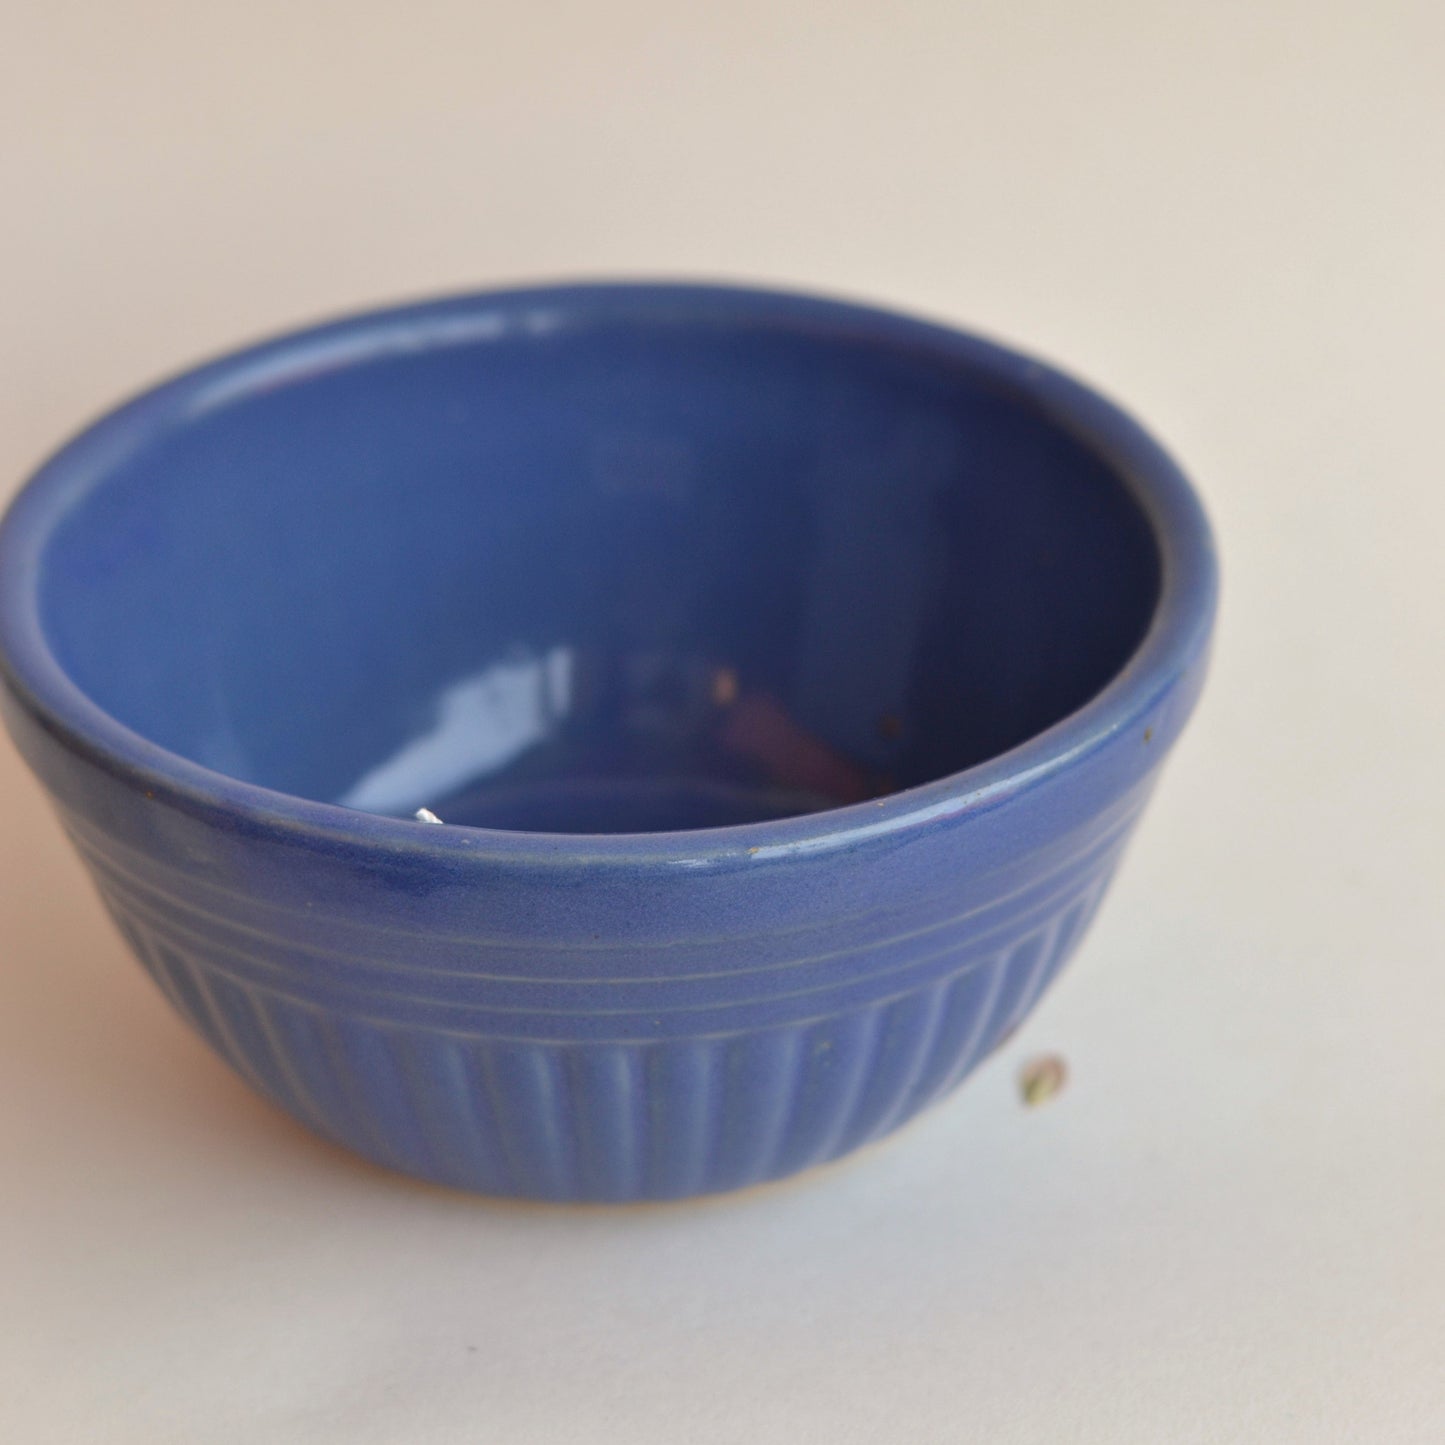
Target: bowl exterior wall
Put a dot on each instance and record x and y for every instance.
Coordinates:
(567, 1028)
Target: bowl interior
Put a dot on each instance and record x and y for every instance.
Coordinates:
(621, 576)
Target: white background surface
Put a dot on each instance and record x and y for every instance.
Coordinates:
(1231, 1227)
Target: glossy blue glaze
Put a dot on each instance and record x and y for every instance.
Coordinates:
(788, 676)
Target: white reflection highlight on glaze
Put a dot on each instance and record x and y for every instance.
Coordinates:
(483, 723)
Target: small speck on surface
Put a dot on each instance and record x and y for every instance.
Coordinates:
(724, 687)
(1041, 1079)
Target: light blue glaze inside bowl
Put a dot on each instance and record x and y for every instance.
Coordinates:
(602, 573)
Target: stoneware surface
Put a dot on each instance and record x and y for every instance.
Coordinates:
(787, 675)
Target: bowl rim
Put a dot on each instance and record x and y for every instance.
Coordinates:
(1177, 634)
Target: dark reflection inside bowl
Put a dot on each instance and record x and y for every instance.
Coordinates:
(615, 576)
(563, 743)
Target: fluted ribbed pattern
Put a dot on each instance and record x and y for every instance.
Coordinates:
(613, 1118)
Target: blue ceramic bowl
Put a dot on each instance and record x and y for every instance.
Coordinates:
(788, 676)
